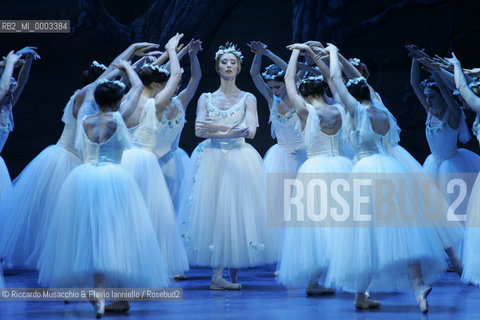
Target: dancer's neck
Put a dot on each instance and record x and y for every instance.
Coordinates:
(228, 86)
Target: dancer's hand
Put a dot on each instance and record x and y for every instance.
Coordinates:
(27, 51)
(239, 132)
(453, 60)
(257, 47)
(194, 46)
(123, 65)
(12, 58)
(475, 72)
(331, 48)
(316, 44)
(140, 48)
(298, 46)
(415, 52)
(172, 44)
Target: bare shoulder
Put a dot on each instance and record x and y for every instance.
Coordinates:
(250, 98)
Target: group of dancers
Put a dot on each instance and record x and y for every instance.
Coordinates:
(116, 203)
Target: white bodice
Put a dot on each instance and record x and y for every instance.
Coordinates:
(441, 138)
(365, 141)
(109, 151)
(6, 118)
(233, 116)
(286, 128)
(169, 132)
(317, 142)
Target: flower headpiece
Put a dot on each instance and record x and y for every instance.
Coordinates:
(98, 65)
(354, 61)
(356, 80)
(273, 76)
(229, 48)
(474, 84)
(156, 67)
(115, 82)
(13, 82)
(311, 78)
(428, 83)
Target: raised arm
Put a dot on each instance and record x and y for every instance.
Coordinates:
(138, 49)
(291, 87)
(24, 72)
(415, 83)
(467, 94)
(163, 97)
(259, 49)
(455, 112)
(130, 101)
(10, 61)
(195, 74)
(336, 76)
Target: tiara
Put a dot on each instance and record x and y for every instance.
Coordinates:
(115, 82)
(356, 80)
(229, 48)
(354, 61)
(98, 65)
(267, 76)
(157, 68)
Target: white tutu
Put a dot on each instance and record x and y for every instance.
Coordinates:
(26, 208)
(448, 234)
(471, 254)
(223, 208)
(306, 250)
(279, 164)
(5, 180)
(144, 167)
(173, 166)
(101, 225)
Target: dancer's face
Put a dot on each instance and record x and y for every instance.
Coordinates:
(278, 88)
(228, 66)
(434, 101)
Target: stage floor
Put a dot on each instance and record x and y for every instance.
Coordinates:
(261, 298)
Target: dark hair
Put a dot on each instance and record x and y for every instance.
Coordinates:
(148, 75)
(107, 93)
(312, 86)
(91, 74)
(273, 73)
(359, 90)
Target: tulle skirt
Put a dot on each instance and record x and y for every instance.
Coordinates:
(5, 180)
(223, 208)
(279, 164)
(100, 225)
(144, 167)
(174, 165)
(306, 250)
(462, 162)
(26, 208)
(376, 256)
(471, 252)
(450, 235)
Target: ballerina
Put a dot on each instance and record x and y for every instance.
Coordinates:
(223, 207)
(285, 157)
(471, 257)
(362, 256)
(141, 161)
(305, 252)
(26, 208)
(172, 159)
(98, 205)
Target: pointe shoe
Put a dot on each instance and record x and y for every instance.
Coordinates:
(222, 284)
(99, 308)
(362, 302)
(318, 290)
(118, 306)
(233, 275)
(180, 276)
(421, 293)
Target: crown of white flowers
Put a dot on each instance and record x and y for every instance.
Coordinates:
(272, 76)
(474, 84)
(354, 61)
(115, 82)
(157, 68)
(229, 48)
(428, 83)
(98, 65)
(311, 78)
(356, 80)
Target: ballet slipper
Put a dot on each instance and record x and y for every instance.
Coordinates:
(218, 283)
(421, 292)
(99, 308)
(314, 289)
(233, 275)
(180, 276)
(362, 302)
(118, 306)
